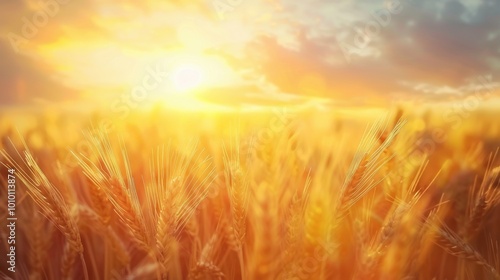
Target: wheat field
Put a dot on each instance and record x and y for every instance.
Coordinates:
(392, 194)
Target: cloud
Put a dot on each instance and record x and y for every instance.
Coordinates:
(23, 80)
(430, 46)
(439, 45)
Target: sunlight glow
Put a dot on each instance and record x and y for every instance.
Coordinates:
(187, 77)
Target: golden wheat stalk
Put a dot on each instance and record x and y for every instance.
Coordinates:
(486, 198)
(206, 271)
(53, 207)
(89, 218)
(120, 191)
(39, 244)
(173, 197)
(145, 271)
(129, 212)
(360, 177)
(238, 191)
(100, 203)
(296, 217)
(165, 229)
(452, 243)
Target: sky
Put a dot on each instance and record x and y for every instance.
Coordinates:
(356, 52)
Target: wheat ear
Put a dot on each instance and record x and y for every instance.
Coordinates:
(452, 243)
(100, 203)
(204, 270)
(129, 213)
(53, 207)
(238, 190)
(487, 197)
(39, 241)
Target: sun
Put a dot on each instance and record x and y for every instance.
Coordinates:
(187, 77)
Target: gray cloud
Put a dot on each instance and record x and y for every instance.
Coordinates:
(428, 42)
